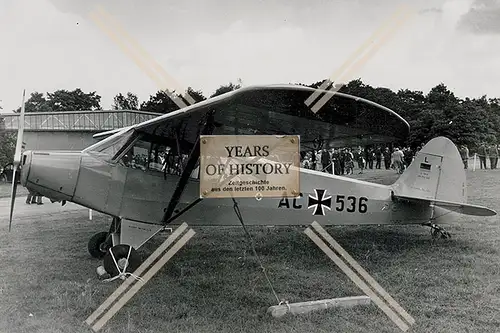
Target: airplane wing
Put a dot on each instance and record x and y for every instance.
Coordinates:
(110, 132)
(344, 120)
(462, 208)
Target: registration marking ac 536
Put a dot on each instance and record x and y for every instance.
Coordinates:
(321, 201)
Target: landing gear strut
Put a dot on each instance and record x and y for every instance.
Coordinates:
(100, 243)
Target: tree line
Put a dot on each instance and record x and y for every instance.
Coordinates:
(438, 112)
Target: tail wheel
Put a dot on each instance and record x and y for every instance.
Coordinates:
(122, 257)
(99, 244)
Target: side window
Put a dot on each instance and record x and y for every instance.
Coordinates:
(156, 158)
(137, 155)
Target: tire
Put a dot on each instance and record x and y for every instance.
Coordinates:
(97, 245)
(120, 252)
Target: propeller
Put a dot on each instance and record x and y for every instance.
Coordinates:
(17, 160)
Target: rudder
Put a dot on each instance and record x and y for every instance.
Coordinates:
(436, 173)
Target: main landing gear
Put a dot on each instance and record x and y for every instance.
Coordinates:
(99, 244)
(437, 231)
(118, 259)
(118, 247)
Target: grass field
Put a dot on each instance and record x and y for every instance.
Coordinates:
(48, 281)
(6, 188)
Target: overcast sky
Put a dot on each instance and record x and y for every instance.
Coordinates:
(55, 44)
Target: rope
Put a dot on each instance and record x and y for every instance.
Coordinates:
(124, 274)
(238, 214)
(287, 305)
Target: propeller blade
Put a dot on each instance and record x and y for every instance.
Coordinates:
(13, 195)
(20, 133)
(17, 159)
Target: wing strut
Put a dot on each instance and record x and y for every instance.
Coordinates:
(188, 207)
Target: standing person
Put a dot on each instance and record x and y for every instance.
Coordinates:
(31, 197)
(498, 149)
(408, 153)
(326, 161)
(378, 157)
(331, 154)
(482, 155)
(361, 160)
(336, 161)
(387, 158)
(369, 157)
(464, 153)
(493, 153)
(398, 160)
(34, 197)
(342, 161)
(313, 160)
(319, 165)
(39, 199)
(349, 162)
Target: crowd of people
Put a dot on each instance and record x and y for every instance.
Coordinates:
(342, 161)
(485, 152)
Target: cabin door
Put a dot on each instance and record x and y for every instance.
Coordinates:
(152, 174)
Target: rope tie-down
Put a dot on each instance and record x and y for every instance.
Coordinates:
(122, 274)
(263, 269)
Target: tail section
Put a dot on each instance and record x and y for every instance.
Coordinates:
(437, 175)
(437, 172)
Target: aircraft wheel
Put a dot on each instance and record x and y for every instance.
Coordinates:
(120, 252)
(98, 246)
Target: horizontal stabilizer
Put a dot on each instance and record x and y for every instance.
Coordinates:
(462, 208)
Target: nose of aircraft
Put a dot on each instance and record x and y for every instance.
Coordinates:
(25, 167)
(52, 174)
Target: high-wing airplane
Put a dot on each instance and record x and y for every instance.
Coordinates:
(146, 176)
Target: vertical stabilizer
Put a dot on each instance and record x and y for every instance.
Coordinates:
(436, 173)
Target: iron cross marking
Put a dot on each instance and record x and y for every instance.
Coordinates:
(320, 202)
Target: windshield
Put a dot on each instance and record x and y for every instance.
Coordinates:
(109, 148)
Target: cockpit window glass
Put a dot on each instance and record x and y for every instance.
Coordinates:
(110, 148)
(137, 155)
(149, 154)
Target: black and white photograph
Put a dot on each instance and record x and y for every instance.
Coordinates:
(249, 166)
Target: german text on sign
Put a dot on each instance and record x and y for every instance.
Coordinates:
(249, 166)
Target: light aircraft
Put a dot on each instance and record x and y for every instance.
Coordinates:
(145, 176)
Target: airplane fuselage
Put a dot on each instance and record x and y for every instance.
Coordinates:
(143, 195)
